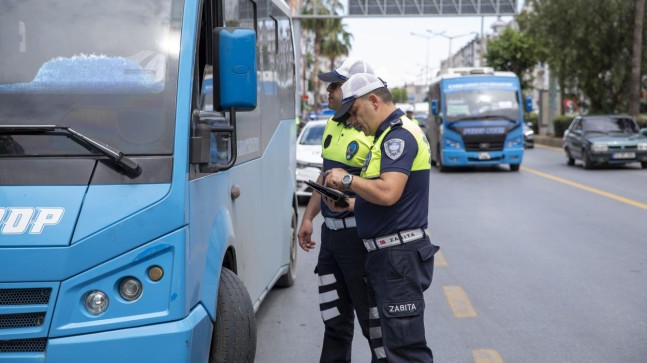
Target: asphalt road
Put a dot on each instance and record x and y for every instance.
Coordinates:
(548, 264)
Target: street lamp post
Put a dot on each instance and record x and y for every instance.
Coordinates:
(427, 37)
(450, 38)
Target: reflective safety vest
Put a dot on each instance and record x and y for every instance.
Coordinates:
(422, 161)
(345, 145)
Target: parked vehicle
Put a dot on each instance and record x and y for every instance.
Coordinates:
(147, 177)
(528, 136)
(309, 162)
(605, 139)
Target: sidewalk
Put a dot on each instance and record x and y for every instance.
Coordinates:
(548, 141)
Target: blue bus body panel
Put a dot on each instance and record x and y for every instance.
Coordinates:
(129, 231)
(217, 222)
(22, 207)
(106, 204)
(160, 301)
(185, 340)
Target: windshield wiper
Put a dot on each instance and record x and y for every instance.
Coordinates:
(125, 164)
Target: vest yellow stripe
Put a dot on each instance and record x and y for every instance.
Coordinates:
(422, 161)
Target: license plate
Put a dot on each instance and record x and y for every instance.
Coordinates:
(484, 156)
(624, 155)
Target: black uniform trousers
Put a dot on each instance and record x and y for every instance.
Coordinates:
(397, 278)
(343, 292)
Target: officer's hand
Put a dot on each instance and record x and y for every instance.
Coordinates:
(333, 178)
(335, 208)
(304, 234)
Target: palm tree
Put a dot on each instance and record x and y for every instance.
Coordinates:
(337, 43)
(328, 35)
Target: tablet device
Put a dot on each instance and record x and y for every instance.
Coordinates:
(334, 194)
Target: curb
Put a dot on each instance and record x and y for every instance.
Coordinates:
(549, 141)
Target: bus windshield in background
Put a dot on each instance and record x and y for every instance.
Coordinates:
(107, 69)
(463, 104)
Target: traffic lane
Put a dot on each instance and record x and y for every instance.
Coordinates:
(502, 316)
(552, 276)
(628, 181)
(289, 327)
(289, 323)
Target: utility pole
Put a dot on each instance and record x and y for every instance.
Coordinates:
(427, 37)
(450, 38)
(634, 86)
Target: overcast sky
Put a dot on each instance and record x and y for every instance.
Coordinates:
(399, 57)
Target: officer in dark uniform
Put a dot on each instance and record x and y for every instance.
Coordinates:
(342, 285)
(391, 209)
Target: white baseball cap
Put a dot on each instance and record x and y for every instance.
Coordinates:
(349, 67)
(357, 86)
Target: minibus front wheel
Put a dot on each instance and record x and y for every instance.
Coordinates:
(234, 332)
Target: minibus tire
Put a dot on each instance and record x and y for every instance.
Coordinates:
(234, 332)
(441, 167)
(290, 276)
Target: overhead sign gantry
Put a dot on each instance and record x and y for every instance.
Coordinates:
(431, 7)
(413, 8)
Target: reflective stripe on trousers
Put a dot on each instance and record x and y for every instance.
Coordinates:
(343, 292)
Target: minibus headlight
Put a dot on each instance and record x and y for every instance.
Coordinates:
(130, 288)
(96, 302)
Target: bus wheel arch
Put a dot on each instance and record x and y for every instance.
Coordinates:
(290, 275)
(234, 331)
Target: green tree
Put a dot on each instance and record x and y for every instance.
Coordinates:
(513, 51)
(588, 43)
(337, 42)
(326, 34)
(399, 95)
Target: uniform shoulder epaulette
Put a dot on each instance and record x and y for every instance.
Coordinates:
(396, 123)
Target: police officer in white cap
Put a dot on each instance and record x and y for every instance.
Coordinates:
(391, 209)
(409, 114)
(342, 285)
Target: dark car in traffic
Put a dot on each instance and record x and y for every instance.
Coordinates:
(605, 140)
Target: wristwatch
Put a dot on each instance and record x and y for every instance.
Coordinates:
(346, 180)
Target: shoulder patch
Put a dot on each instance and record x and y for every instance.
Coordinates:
(352, 149)
(394, 148)
(367, 161)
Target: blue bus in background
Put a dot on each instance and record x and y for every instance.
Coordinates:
(476, 118)
(147, 177)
